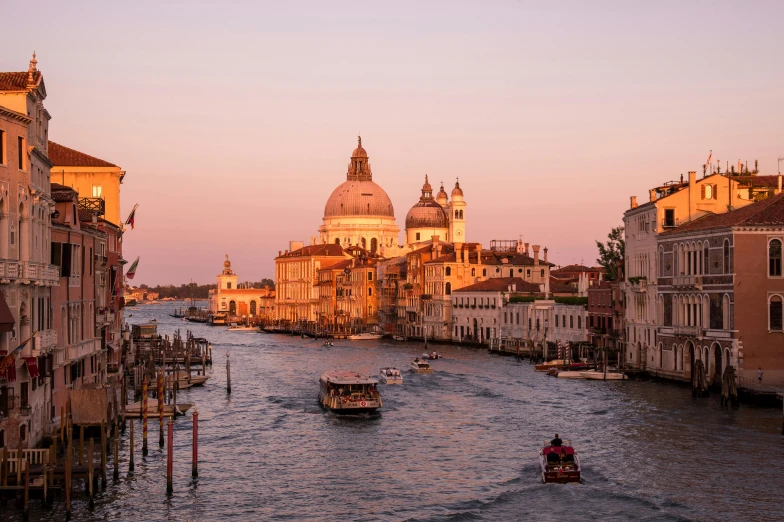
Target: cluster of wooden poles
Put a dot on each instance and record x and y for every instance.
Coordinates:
(53, 469)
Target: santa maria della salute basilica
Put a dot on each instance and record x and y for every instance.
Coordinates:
(360, 213)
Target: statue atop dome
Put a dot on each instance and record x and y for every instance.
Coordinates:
(359, 166)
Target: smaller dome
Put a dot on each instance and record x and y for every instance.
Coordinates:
(227, 263)
(441, 193)
(426, 214)
(457, 191)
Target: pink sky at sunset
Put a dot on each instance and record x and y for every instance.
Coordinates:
(235, 121)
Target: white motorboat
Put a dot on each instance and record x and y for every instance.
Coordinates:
(390, 376)
(242, 328)
(597, 375)
(432, 356)
(399, 338)
(420, 366)
(565, 374)
(364, 336)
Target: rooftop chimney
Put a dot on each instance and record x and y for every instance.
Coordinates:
(633, 200)
(526, 249)
(545, 254)
(692, 177)
(479, 253)
(536, 254)
(652, 194)
(437, 245)
(778, 191)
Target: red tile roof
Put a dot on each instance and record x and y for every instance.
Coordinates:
(16, 81)
(62, 193)
(576, 268)
(65, 157)
(315, 250)
(501, 284)
(767, 212)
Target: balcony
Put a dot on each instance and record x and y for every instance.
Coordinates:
(691, 331)
(10, 270)
(688, 281)
(94, 205)
(25, 410)
(101, 261)
(43, 341)
(638, 285)
(74, 281)
(670, 223)
(42, 274)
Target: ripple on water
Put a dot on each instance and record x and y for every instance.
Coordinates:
(460, 444)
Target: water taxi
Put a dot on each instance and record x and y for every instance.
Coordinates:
(420, 366)
(390, 376)
(349, 392)
(559, 464)
(598, 375)
(242, 328)
(545, 367)
(365, 336)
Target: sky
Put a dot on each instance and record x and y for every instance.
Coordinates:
(235, 120)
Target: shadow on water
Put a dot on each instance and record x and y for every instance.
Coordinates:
(460, 444)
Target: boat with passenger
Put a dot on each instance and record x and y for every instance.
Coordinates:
(559, 462)
(348, 392)
(432, 356)
(390, 376)
(420, 366)
(364, 336)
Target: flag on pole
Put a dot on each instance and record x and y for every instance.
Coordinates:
(132, 216)
(9, 359)
(132, 271)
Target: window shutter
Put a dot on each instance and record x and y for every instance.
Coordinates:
(702, 191)
(715, 192)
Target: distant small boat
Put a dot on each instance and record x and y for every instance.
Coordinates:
(420, 366)
(134, 410)
(365, 336)
(432, 356)
(598, 375)
(398, 338)
(242, 328)
(390, 376)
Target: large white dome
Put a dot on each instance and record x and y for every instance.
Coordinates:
(359, 198)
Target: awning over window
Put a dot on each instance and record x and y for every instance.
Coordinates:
(7, 321)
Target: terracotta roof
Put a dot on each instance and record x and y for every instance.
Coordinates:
(316, 250)
(758, 181)
(62, 193)
(500, 284)
(767, 212)
(16, 81)
(490, 257)
(576, 268)
(65, 157)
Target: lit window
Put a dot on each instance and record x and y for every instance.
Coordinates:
(97, 191)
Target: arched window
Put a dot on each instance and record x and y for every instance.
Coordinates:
(774, 257)
(449, 289)
(727, 267)
(579, 321)
(705, 269)
(571, 321)
(253, 308)
(473, 272)
(457, 214)
(511, 272)
(484, 272)
(776, 320)
(373, 245)
(370, 291)
(363, 242)
(448, 270)
(556, 320)
(337, 240)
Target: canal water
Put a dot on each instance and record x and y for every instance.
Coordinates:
(460, 444)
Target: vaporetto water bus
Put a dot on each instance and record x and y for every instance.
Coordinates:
(350, 392)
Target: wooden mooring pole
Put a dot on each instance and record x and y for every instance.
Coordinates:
(104, 441)
(26, 486)
(68, 454)
(160, 405)
(228, 374)
(130, 451)
(195, 464)
(90, 473)
(116, 474)
(144, 417)
(170, 459)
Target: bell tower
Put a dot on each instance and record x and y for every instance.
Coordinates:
(457, 208)
(227, 280)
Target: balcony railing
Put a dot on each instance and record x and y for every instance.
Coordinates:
(44, 340)
(693, 331)
(688, 281)
(96, 205)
